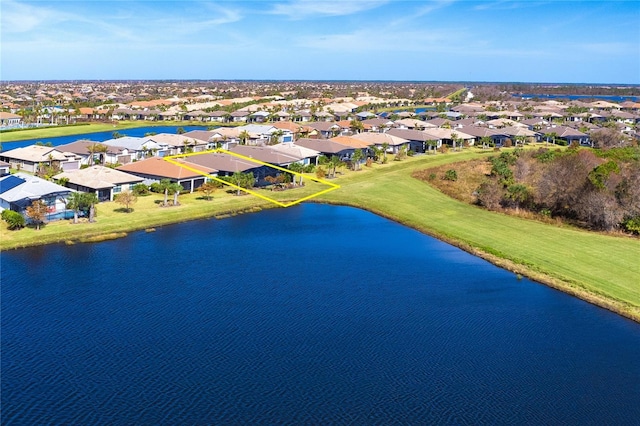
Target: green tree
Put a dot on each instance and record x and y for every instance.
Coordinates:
(298, 168)
(356, 126)
(76, 202)
(357, 157)
(244, 137)
(385, 149)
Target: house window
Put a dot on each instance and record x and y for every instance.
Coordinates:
(117, 189)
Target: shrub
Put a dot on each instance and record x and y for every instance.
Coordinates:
(632, 225)
(14, 219)
(369, 162)
(451, 175)
(432, 176)
(321, 173)
(411, 153)
(140, 189)
(156, 187)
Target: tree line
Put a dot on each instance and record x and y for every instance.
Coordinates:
(596, 189)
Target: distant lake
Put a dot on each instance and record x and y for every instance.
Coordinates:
(313, 314)
(618, 99)
(100, 136)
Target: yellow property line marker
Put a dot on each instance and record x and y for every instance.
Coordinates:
(171, 159)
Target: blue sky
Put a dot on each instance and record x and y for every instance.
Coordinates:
(529, 41)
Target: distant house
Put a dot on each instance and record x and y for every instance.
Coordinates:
(179, 144)
(239, 116)
(30, 158)
(20, 190)
(325, 129)
(8, 119)
(327, 147)
(103, 181)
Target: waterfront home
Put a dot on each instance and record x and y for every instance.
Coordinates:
(31, 158)
(20, 190)
(179, 144)
(140, 148)
(221, 137)
(296, 130)
(103, 181)
(90, 152)
(155, 169)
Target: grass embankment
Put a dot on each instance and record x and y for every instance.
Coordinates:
(599, 268)
(78, 129)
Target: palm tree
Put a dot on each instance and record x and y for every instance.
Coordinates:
(357, 156)
(385, 148)
(244, 137)
(356, 126)
(75, 202)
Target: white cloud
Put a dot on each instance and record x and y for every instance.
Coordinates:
(20, 18)
(302, 9)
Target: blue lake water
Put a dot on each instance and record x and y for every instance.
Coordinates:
(308, 315)
(99, 136)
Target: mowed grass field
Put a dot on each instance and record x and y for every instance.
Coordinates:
(584, 263)
(603, 269)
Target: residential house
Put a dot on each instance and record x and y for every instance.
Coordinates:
(89, 155)
(306, 155)
(30, 158)
(325, 129)
(378, 124)
(8, 119)
(4, 168)
(179, 144)
(105, 182)
(20, 190)
(239, 116)
(419, 141)
(155, 169)
(394, 143)
(565, 135)
(139, 148)
(327, 147)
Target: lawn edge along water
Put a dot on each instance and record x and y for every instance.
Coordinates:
(390, 191)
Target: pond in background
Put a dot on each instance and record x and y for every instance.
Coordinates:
(313, 314)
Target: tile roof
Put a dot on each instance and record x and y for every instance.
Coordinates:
(156, 166)
(98, 177)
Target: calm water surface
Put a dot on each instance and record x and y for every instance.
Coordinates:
(308, 315)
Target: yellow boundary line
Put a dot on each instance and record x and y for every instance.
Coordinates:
(171, 159)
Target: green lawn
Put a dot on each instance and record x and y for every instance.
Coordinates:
(600, 268)
(601, 264)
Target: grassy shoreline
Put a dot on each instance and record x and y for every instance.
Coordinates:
(600, 269)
